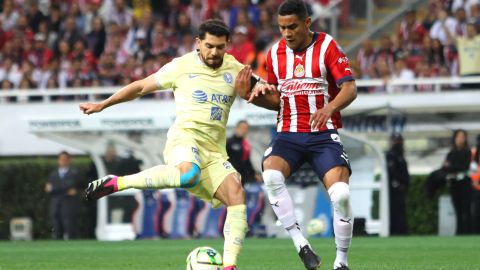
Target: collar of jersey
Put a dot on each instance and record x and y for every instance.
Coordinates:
(198, 59)
(314, 38)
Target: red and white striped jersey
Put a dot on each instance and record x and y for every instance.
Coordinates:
(307, 80)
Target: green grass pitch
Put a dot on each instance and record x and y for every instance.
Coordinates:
(367, 253)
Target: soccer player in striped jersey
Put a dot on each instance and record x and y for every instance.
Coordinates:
(314, 82)
(204, 86)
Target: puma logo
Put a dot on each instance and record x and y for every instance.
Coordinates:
(275, 204)
(346, 221)
(294, 226)
(299, 57)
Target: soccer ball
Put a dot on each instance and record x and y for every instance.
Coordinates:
(204, 258)
(316, 226)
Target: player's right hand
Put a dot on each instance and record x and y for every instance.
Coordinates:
(89, 108)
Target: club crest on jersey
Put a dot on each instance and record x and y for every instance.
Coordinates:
(299, 71)
(227, 77)
(216, 113)
(199, 96)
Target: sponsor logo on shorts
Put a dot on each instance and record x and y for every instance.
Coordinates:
(216, 113)
(336, 138)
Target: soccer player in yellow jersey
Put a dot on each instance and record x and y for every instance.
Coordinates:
(204, 85)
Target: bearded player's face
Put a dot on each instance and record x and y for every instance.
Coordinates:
(212, 49)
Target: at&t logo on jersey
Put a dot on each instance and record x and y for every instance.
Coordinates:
(199, 96)
(223, 99)
(216, 113)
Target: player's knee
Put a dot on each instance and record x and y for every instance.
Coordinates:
(270, 162)
(191, 177)
(236, 194)
(266, 163)
(340, 197)
(274, 181)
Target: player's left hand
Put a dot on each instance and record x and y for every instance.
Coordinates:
(243, 83)
(261, 89)
(320, 117)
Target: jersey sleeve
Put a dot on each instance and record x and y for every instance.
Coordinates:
(166, 75)
(271, 78)
(338, 64)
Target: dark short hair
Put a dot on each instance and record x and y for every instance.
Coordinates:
(396, 138)
(64, 152)
(293, 7)
(214, 27)
(241, 122)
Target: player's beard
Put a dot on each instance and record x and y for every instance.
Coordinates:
(212, 64)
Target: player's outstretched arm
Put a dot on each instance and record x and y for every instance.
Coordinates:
(263, 94)
(131, 91)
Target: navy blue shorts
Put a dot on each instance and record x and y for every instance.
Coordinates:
(323, 150)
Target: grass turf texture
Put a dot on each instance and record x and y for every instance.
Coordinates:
(373, 253)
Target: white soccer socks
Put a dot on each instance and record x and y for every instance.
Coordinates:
(342, 220)
(282, 205)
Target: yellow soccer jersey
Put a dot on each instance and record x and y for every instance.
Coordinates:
(469, 54)
(203, 97)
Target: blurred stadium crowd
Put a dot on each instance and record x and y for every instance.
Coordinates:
(424, 44)
(60, 44)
